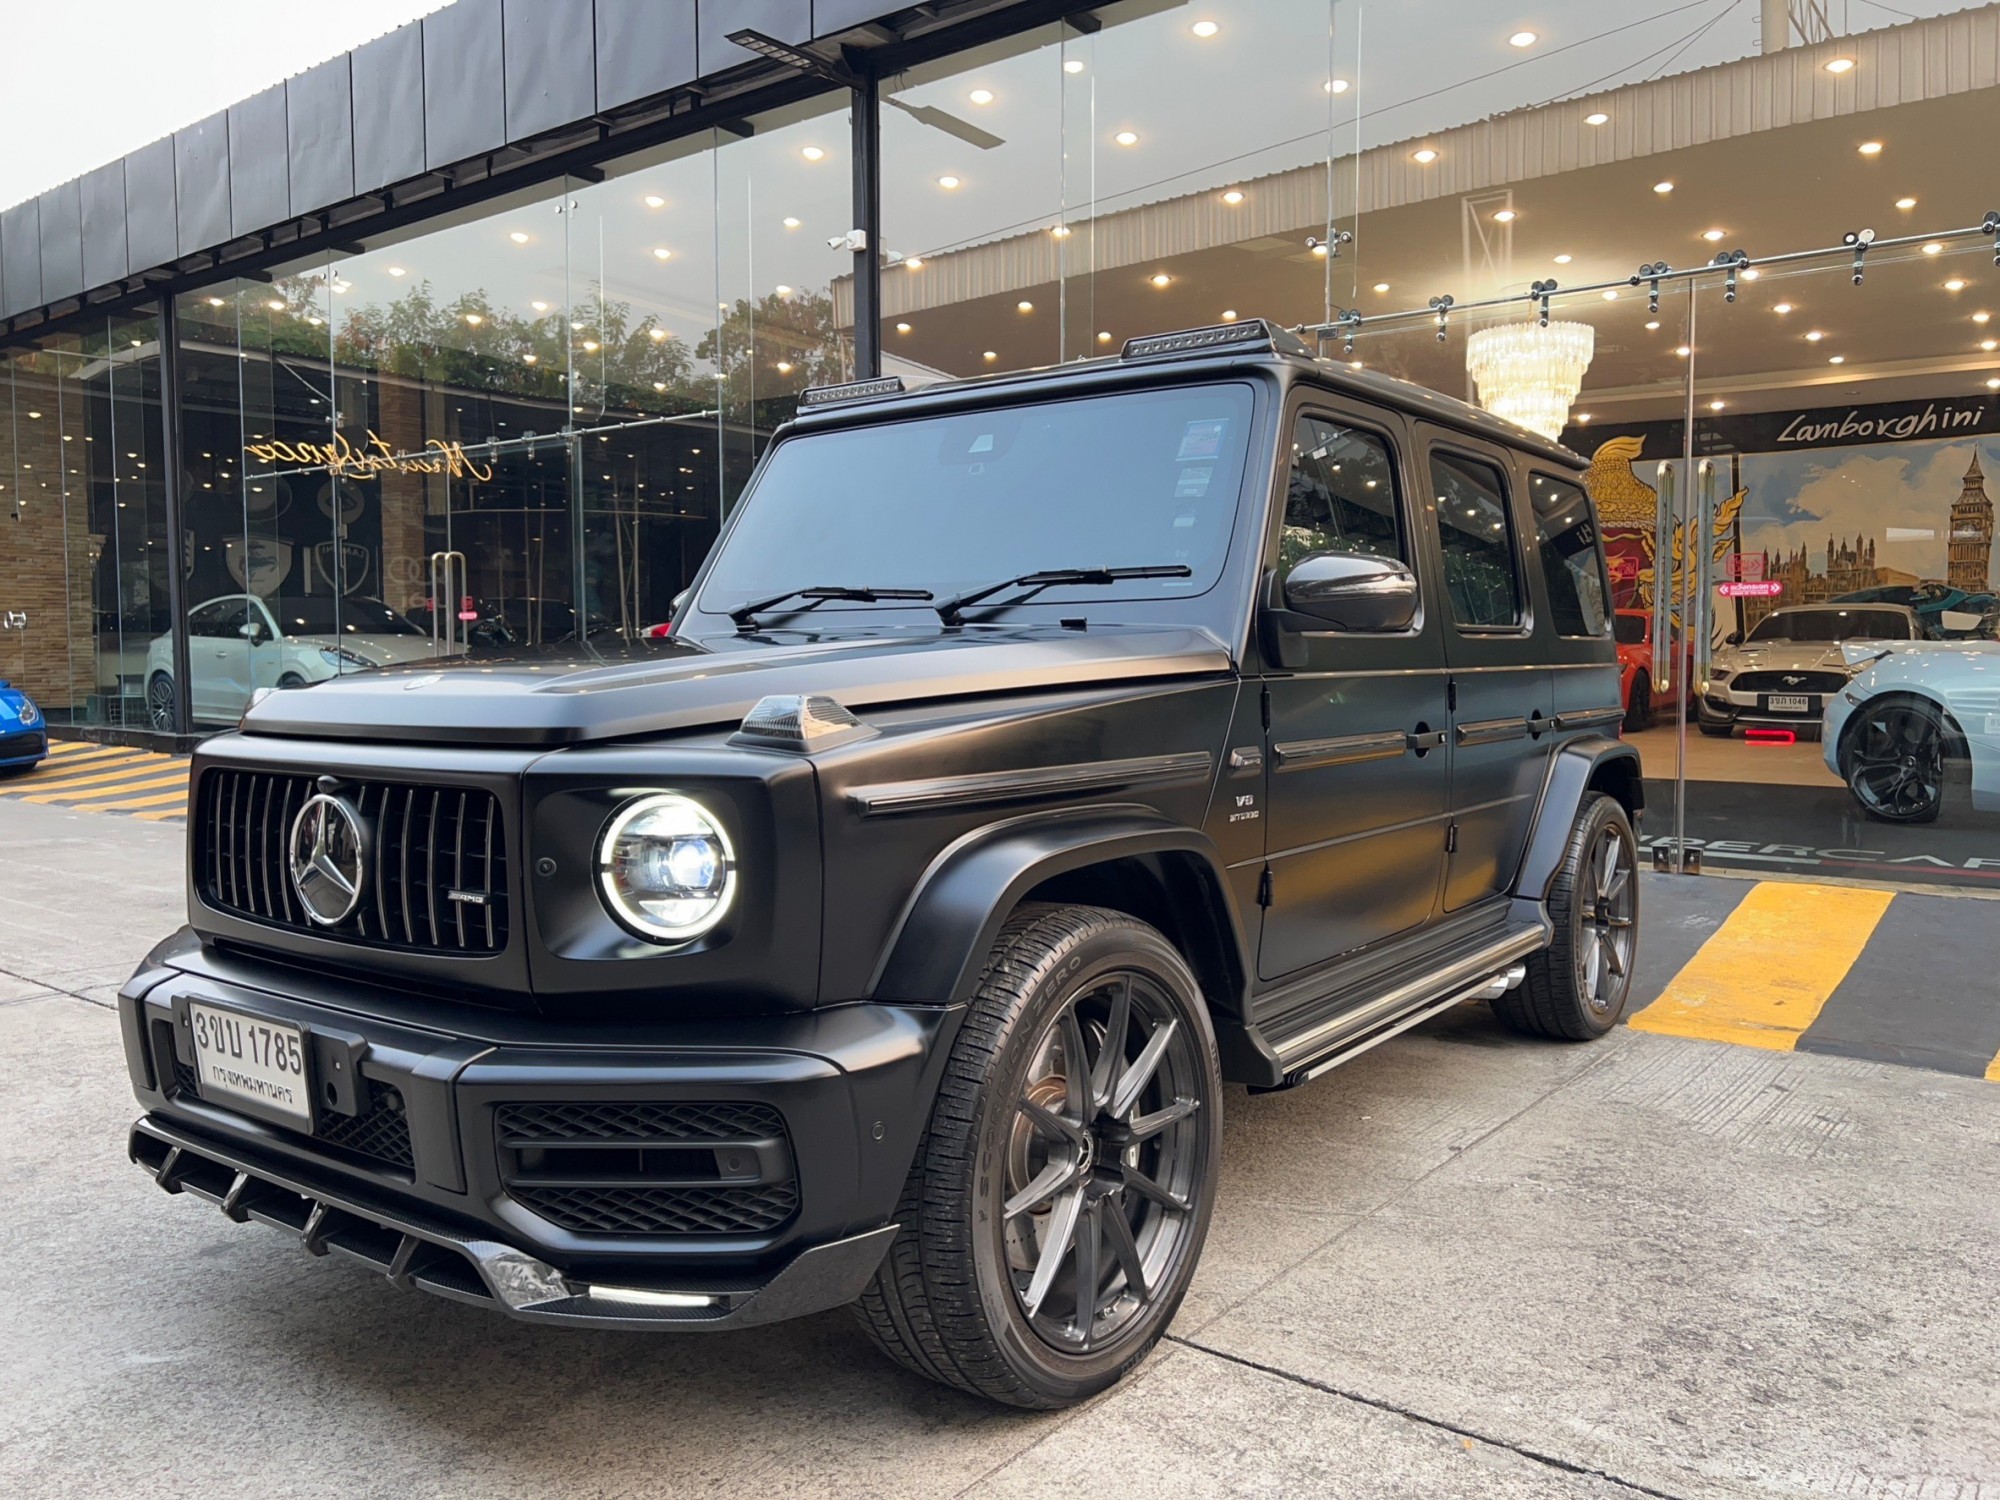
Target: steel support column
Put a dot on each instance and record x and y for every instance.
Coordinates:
(170, 444)
(867, 149)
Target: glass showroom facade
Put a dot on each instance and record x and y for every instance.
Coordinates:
(1767, 275)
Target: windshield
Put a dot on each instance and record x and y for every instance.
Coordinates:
(1629, 629)
(958, 502)
(1833, 625)
(325, 616)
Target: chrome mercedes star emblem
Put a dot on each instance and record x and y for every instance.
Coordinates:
(329, 859)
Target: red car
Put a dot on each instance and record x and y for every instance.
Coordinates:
(1634, 631)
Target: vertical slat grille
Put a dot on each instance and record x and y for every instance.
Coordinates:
(438, 868)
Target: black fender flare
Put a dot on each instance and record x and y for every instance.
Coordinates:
(948, 925)
(1589, 763)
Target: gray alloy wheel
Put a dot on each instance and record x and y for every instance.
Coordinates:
(160, 702)
(1893, 760)
(1063, 1190)
(1576, 988)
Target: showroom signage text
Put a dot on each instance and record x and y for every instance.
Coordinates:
(373, 457)
(1815, 427)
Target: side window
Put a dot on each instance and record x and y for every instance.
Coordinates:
(1476, 532)
(1572, 560)
(215, 619)
(1341, 496)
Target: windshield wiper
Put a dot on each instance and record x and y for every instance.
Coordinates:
(949, 609)
(744, 614)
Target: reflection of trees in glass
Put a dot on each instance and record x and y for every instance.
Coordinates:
(755, 338)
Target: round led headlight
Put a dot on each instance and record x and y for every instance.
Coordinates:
(666, 868)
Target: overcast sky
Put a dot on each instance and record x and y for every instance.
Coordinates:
(89, 80)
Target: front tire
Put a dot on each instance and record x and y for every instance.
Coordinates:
(1064, 1184)
(1577, 987)
(1639, 708)
(1893, 760)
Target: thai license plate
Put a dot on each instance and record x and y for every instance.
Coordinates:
(250, 1060)
(1789, 703)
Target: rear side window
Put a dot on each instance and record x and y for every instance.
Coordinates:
(1572, 561)
(1342, 494)
(1476, 532)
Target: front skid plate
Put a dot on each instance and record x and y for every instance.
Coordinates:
(420, 1251)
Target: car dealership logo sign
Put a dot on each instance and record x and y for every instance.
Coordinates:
(1888, 427)
(329, 859)
(373, 457)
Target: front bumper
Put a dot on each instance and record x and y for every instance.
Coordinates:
(415, 1163)
(1719, 705)
(23, 747)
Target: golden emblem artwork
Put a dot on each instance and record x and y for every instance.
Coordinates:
(1626, 509)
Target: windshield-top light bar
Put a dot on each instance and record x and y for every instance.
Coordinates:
(854, 390)
(1250, 333)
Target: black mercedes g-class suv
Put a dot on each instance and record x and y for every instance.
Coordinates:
(1031, 756)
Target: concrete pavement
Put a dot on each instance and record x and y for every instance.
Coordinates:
(1464, 1265)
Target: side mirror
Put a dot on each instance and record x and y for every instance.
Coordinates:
(255, 633)
(1734, 638)
(1353, 591)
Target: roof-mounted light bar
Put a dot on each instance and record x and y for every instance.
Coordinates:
(853, 390)
(1248, 334)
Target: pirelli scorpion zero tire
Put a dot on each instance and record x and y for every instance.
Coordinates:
(1577, 987)
(1063, 1187)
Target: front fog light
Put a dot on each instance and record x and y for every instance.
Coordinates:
(666, 868)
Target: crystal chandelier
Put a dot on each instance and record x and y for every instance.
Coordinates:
(1530, 374)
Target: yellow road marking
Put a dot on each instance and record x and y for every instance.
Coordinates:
(176, 778)
(165, 812)
(137, 802)
(1762, 979)
(80, 747)
(84, 765)
(153, 766)
(1993, 1070)
(61, 751)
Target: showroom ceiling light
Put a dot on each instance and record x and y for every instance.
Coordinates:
(1233, 197)
(1073, 65)
(539, 306)
(1059, 231)
(475, 319)
(590, 346)
(1781, 307)
(1611, 295)
(1024, 307)
(1204, 29)
(1565, 259)
(1582, 416)
(1337, 85)
(915, 263)
(661, 252)
(1684, 351)
(990, 355)
(1933, 248)
(1712, 235)
(519, 237)
(1597, 117)
(1424, 155)
(1954, 285)
(1381, 286)
(812, 153)
(1663, 187)
(902, 328)
(1993, 385)
(1838, 359)
(1989, 345)
(1906, 204)
(657, 335)
(1161, 279)
(1838, 65)
(1127, 138)
(1104, 338)
(981, 96)
(275, 305)
(948, 182)
(1870, 148)
(1981, 316)
(215, 302)
(1229, 315)
(396, 271)
(654, 200)
(782, 290)
(1653, 326)
(1505, 216)
(784, 367)
(1529, 373)
(1523, 39)
(1715, 406)
(1814, 336)
(791, 223)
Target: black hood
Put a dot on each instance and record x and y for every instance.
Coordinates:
(577, 694)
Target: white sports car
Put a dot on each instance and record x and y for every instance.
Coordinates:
(1914, 709)
(1790, 666)
(240, 643)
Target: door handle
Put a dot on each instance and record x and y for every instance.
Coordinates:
(1425, 739)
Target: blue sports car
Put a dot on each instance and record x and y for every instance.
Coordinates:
(24, 738)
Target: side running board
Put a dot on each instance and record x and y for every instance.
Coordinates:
(1482, 975)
